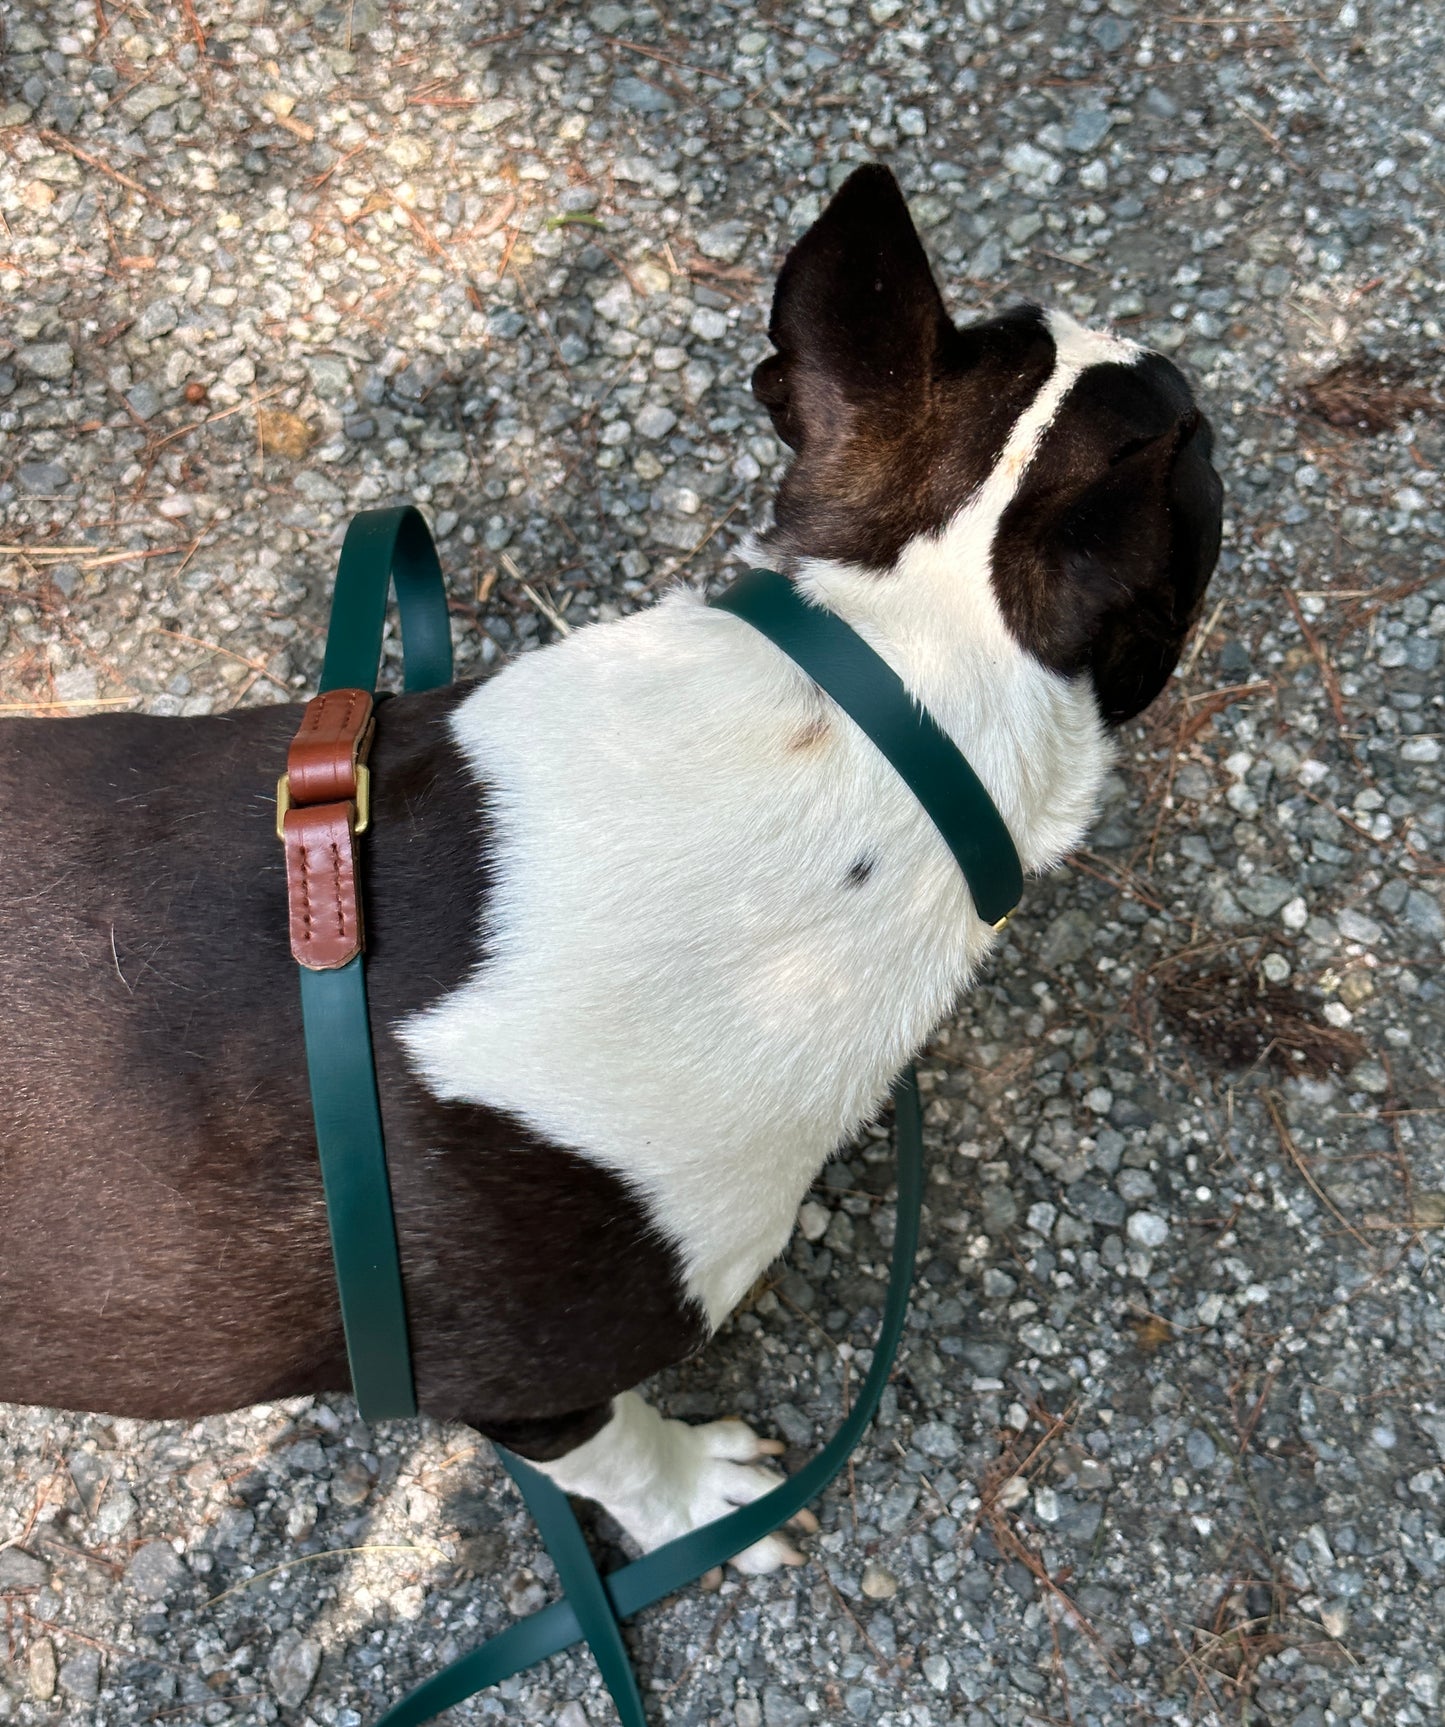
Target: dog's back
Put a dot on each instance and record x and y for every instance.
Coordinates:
(142, 965)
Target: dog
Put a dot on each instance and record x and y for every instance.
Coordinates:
(651, 925)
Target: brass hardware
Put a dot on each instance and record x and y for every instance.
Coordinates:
(361, 820)
(1003, 921)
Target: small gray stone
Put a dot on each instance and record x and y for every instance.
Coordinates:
(147, 99)
(794, 1426)
(987, 261)
(158, 319)
(42, 478)
(710, 325)
(292, 1668)
(330, 376)
(1092, 1200)
(1000, 1209)
(988, 1360)
(655, 421)
(1087, 130)
(143, 401)
(117, 1509)
(447, 469)
(1147, 1229)
(1111, 34)
(1193, 781)
(936, 1439)
(641, 97)
(1421, 750)
(1423, 913)
(1135, 1185)
(723, 241)
(156, 1571)
(54, 360)
(1355, 926)
(937, 1671)
(1200, 1448)
(80, 1675)
(1029, 162)
(21, 1570)
(1066, 940)
(1264, 895)
(780, 1710)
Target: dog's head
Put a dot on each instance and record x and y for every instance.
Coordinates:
(1081, 460)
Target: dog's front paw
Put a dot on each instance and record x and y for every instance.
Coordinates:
(727, 1474)
(661, 1479)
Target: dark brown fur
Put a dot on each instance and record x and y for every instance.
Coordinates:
(163, 1242)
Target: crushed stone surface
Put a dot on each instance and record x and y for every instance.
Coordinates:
(1167, 1437)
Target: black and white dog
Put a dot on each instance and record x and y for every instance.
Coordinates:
(651, 925)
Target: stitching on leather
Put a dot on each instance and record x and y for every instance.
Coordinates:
(336, 886)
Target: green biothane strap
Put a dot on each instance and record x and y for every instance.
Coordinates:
(670, 1568)
(349, 1140)
(872, 694)
(382, 548)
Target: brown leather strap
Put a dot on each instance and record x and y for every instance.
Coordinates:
(334, 735)
(319, 828)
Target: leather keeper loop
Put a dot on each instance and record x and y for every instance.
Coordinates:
(333, 737)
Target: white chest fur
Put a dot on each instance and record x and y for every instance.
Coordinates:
(682, 981)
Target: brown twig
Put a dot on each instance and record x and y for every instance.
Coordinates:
(667, 60)
(1322, 660)
(62, 143)
(188, 7)
(1286, 1140)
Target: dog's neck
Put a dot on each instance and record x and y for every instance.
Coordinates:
(1034, 738)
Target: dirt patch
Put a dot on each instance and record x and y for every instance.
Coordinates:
(1234, 1019)
(1369, 396)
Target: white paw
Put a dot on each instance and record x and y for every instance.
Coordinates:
(728, 1474)
(704, 1473)
(661, 1479)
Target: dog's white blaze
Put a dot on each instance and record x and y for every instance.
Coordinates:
(680, 981)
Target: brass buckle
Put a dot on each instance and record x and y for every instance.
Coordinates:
(361, 804)
(1002, 923)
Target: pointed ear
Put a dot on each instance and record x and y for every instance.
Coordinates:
(1136, 552)
(857, 317)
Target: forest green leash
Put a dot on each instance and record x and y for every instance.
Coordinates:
(386, 547)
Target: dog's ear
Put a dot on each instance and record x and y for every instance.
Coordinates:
(857, 317)
(1135, 553)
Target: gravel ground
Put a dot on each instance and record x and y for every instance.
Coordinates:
(1167, 1436)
